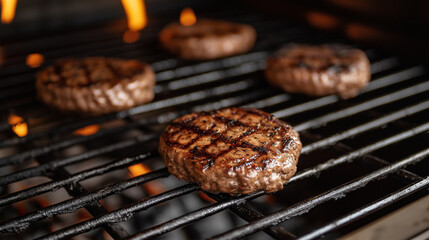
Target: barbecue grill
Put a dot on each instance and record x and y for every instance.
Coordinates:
(362, 159)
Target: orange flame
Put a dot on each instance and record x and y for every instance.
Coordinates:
(34, 60)
(8, 8)
(19, 126)
(138, 169)
(152, 188)
(187, 17)
(205, 197)
(136, 14)
(88, 130)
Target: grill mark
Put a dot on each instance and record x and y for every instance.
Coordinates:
(116, 75)
(206, 159)
(80, 64)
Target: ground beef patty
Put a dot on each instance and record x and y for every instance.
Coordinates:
(232, 150)
(208, 39)
(319, 70)
(95, 85)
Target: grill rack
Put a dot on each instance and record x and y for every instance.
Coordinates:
(185, 87)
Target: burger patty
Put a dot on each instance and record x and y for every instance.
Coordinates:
(232, 150)
(95, 85)
(319, 70)
(208, 39)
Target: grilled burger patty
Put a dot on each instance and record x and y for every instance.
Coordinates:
(232, 150)
(208, 39)
(95, 85)
(319, 70)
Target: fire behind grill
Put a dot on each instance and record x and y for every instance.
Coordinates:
(362, 158)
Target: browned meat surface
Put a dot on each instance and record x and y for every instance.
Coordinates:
(232, 150)
(95, 85)
(319, 70)
(208, 39)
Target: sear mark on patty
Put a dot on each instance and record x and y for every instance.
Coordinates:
(231, 150)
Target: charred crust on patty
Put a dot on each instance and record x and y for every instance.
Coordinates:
(232, 150)
(95, 85)
(319, 70)
(208, 39)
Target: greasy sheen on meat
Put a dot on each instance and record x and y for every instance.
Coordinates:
(232, 150)
(319, 70)
(95, 85)
(208, 39)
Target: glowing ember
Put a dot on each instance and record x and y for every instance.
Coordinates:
(130, 36)
(187, 17)
(138, 169)
(19, 127)
(152, 188)
(14, 119)
(34, 60)
(136, 14)
(88, 130)
(205, 197)
(8, 8)
(322, 20)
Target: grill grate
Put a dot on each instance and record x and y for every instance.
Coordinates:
(378, 134)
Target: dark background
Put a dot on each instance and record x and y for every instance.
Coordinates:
(395, 25)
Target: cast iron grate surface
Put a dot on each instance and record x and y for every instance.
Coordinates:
(362, 158)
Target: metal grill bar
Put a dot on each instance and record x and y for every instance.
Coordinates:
(193, 97)
(95, 209)
(314, 123)
(249, 214)
(121, 214)
(172, 75)
(217, 207)
(373, 85)
(360, 152)
(308, 204)
(403, 172)
(11, 142)
(196, 215)
(170, 102)
(79, 202)
(51, 186)
(50, 166)
(187, 98)
(367, 126)
(361, 212)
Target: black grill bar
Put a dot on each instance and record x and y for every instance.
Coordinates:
(187, 98)
(308, 204)
(375, 84)
(375, 146)
(403, 172)
(184, 87)
(217, 207)
(249, 214)
(150, 107)
(196, 215)
(408, 111)
(170, 102)
(50, 166)
(121, 214)
(51, 186)
(43, 168)
(370, 208)
(360, 152)
(79, 202)
(15, 159)
(95, 208)
(376, 102)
